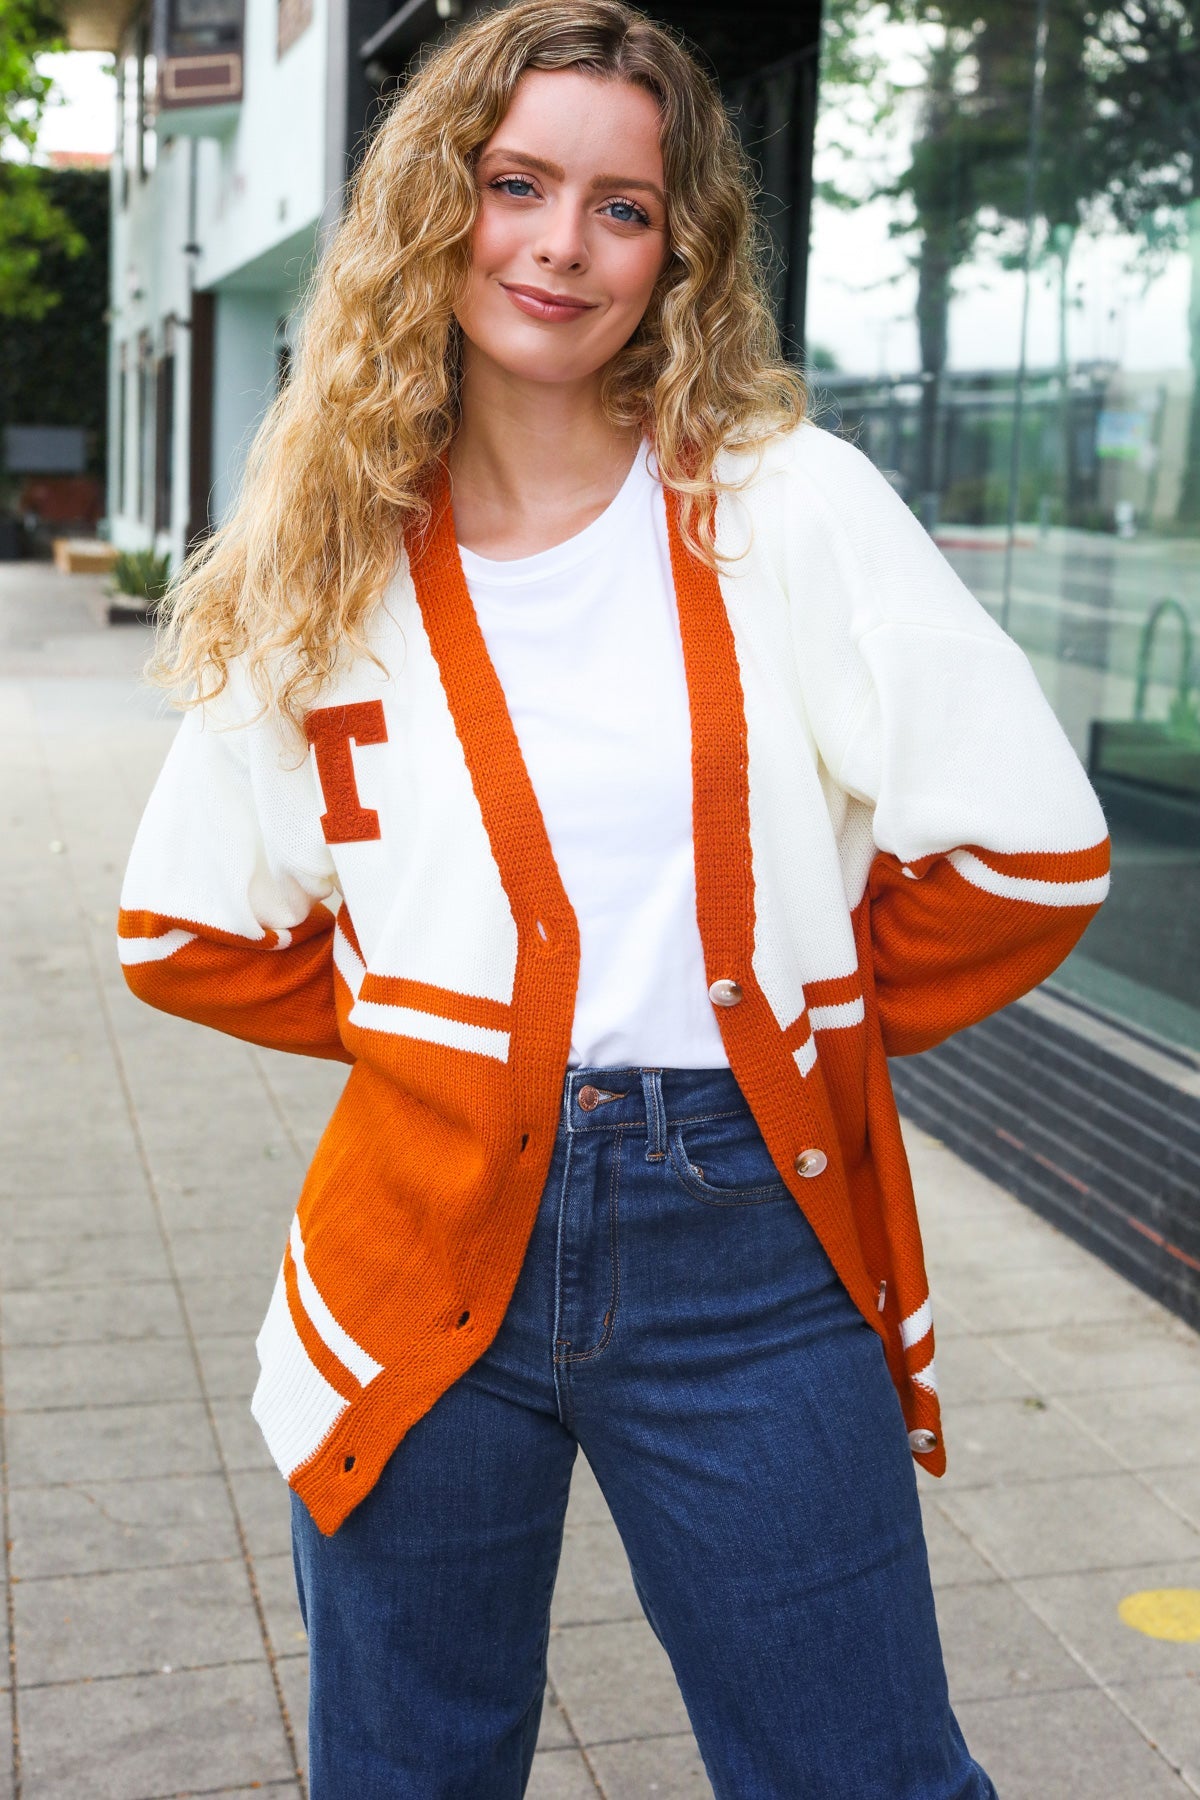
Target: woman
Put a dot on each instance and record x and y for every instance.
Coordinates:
(631, 833)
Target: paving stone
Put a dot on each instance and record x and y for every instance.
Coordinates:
(993, 1645)
(215, 1165)
(554, 1733)
(232, 1304)
(110, 1443)
(1082, 1610)
(1168, 1712)
(561, 1775)
(133, 1621)
(91, 1315)
(263, 1502)
(276, 1791)
(1048, 1527)
(1075, 1743)
(254, 1247)
(988, 1242)
(660, 1768)
(1180, 1488)
(586, 1505)
(593, 1582)
(949, 1320)
(102, 1259)
(229, 1367)
(615, 1681)
(242, 1443)
(196, 1200)
(200, 1730)
(949, 1189)
(48, 1375)
(1013, 1441)
(1146, 1427)
(953, 1559)
(71, 1167)
(970, 1369)
(292, 1672)
(91, 1526)
(276, 1581)
(40, 1215)
(108, 1133)
(1033, 1298)
(1082, 1359)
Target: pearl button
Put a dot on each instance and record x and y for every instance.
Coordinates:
(811, 1162)
(724, 993)
(921, 1442)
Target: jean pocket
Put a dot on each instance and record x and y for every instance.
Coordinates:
(725, 1162)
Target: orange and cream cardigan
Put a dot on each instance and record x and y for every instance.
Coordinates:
(893, 838)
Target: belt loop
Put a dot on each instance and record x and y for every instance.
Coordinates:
(656, 1115)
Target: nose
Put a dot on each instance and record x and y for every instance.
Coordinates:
(562, 242)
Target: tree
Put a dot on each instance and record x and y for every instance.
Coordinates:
(53, 369)
(30, 222)
(967, 141)
(1144, 65)
(974, 164)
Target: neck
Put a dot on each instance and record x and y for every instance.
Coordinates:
(528, 451)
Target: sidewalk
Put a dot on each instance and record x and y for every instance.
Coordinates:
(147, 1173)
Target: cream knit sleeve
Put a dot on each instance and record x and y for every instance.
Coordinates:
(990, 847)
(228, 905)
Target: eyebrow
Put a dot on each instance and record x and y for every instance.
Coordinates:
(556, 173)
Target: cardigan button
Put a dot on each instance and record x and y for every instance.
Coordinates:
(724, 993)
(811, 1162)
(921, 1442)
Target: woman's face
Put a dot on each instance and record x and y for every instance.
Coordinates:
(572, 227)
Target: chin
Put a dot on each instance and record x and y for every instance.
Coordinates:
(543, 363)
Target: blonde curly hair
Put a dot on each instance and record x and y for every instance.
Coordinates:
(342, 464)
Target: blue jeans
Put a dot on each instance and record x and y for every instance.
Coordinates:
(676, 1316)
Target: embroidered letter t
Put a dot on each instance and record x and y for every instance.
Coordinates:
(331, 730)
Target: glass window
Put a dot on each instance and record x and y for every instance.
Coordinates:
(1004, 311)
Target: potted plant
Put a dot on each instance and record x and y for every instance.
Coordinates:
(140, 579)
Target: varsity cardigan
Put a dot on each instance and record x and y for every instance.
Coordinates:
(893, 837)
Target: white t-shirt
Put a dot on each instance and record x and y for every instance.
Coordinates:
(585, 640)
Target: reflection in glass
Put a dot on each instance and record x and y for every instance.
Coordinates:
(1004, 311)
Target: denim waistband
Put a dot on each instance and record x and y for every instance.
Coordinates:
(603, 1099)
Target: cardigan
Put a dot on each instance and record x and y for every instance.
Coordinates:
(893, 837)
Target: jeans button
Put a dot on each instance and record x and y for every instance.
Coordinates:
(589, 1098)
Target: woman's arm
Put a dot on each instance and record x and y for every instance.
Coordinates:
(991, 853)
(217, 924)
(990, 849)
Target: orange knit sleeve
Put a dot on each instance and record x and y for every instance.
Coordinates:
(277, 991)
(229, 905)
(955, 937)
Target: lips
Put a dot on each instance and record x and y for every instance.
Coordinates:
(537, 303)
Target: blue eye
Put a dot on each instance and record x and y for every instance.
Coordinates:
(628, 212)
(506, 184)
